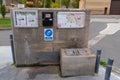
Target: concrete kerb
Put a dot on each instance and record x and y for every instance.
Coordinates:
(1, 29)
(116, 70)
(105, 16)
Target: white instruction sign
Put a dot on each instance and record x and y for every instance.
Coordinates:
(32, 19)
(71, 19)
(20, 19)
(25, 18)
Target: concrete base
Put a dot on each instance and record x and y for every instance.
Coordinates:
(77, 62)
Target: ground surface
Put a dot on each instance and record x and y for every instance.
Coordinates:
(104, 35)
(45, 73)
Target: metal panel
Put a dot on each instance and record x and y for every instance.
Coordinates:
(47, 18)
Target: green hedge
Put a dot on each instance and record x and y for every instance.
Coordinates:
(22, 1)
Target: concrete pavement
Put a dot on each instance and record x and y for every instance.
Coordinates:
(5, 56)
(108, 44)
(10, 72)
(37, 73)
(5, 37)
(104, 35)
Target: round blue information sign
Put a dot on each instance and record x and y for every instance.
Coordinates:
(48, 34)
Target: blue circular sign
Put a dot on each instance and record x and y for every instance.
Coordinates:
(48, 32)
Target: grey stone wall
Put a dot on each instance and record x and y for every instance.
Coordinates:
(31, 48)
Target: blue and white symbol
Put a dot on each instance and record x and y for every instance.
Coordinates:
(48, 34)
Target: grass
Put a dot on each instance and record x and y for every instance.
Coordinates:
(103, 63)
(60, 73)
(5, 23)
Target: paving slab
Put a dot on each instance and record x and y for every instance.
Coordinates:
(45, 73)
(10, 72)
(5, 56)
